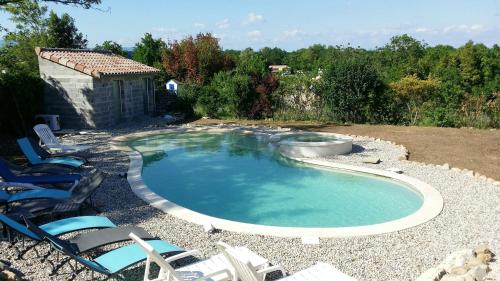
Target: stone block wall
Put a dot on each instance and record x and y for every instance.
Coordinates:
(67, 93)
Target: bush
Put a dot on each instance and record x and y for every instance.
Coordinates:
(21, 99)
(351, 90)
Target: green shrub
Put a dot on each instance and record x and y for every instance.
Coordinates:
(20, 100)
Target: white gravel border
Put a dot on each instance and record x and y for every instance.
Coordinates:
(431, 206)
(470, 217)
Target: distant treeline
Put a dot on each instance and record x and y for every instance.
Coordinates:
(404, 82)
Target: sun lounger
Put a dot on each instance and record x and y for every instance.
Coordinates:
(319, 272)
(55, 228)
(35, 159)
(112, 262)
(42, 169)
(52, 142)
(46, 154)
(89, 240)
(215, 268)
(34, 192)
(80, 194)
(8, 176)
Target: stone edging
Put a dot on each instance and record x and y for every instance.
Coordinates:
(444, 166)
(431, 207)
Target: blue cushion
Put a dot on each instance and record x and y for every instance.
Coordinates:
(28, 151)
(76, 223)
(64, 161)
(126, 256)
(39, 194)
(47, 179)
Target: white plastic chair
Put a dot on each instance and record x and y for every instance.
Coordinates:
(210, 269)
(52, 142)
(319, 272)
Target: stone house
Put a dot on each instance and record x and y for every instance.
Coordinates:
(94, 89)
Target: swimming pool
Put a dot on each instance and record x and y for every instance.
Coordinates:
(241, 178)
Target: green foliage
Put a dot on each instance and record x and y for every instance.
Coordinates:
(21, 96)
(148, 51)
(414, 92)
(112, 47)
(233, 92)
(351, 90)
(83, 3)
(63, 33)
(275, 56)
(251, 63)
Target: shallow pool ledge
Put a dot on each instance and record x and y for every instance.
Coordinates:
(431, 207)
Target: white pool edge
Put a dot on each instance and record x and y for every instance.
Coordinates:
(431, 207)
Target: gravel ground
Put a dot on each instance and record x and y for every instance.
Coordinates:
(471, 216)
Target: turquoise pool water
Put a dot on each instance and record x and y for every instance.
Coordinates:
(242, 178)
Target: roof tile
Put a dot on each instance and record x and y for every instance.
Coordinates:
(95, 63)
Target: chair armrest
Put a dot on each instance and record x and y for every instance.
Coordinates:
(208, 276)
(182, 255)
(271, 269)
(6, 185)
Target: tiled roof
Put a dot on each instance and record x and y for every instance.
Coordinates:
(94, 63)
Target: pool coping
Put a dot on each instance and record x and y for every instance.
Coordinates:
(431, 207)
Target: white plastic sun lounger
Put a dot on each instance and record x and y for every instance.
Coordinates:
(319, 272)
(214, 269)
(52, 143)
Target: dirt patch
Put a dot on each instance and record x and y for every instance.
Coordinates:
(473, 149)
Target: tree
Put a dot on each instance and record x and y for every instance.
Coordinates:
(351, 90)
(194, 60)
(251, 63)
(84, 3)
(149, 50)
(112, 47)
(210, 56)
(18, 55)
(414, 92)
(273, 55)
(62, 32)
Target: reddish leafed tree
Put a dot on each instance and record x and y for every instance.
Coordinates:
(172, 60)
(190, 56)
(264, 86)
(194, 59)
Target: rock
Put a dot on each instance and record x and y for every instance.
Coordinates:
(403, 158)
(446, 166)
(395, 170)
(208, 228)
(432, 274)
(371, 160)
(455, 169)
(482, 249)
(456, 259)
(8, 275)
(470, 173)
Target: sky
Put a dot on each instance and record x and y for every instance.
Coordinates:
(289, 24)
